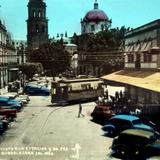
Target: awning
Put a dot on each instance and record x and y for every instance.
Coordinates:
(127, 48)
(146, 46)
(143, 79)
(137, 48)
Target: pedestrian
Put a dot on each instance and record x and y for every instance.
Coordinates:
(100, 100)
(80, 111)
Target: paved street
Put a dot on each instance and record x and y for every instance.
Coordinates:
(45, 132)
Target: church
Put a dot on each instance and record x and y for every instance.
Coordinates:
(37, 24)
(95, 20)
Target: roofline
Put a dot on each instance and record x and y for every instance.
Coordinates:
(146, 27)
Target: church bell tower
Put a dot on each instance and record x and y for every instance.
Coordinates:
(37, 24)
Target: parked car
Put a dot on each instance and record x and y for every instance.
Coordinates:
(136, 144)
(36, 90)
(5, 122)
(119, 123)
(1, 128)
(10, 114)
(10, 104)
(19, 97)
(11, 95)
(102, 113)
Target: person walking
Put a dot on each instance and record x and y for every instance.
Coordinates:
(80, 111)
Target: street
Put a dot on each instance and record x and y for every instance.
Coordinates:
(43, 131)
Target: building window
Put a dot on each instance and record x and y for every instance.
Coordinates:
(37, 28)
(34, 13)
(130, 58)
(92, 28)
(147, 57)
(84, 29)
(43, 29)
(39, 13)
(102, 27)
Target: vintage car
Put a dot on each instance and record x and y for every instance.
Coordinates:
(4, 123)
(102, 113)
(10, 114)
(119, 123)
(136, 144)
(36, 90)
(18, 97)
(8, 103)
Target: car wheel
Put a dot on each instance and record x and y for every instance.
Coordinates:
(110, 132)
(122, 151)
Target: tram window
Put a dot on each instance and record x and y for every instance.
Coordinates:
(85, 86)
(54, 91)
(69, 88)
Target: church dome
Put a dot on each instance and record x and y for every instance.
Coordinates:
(95, 15)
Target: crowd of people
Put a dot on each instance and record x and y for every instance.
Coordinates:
(119, 102)
(14, 86)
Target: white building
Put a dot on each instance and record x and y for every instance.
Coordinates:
(94, 21)
(20, 46)
(3, 55)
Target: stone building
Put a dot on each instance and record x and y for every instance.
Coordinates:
(142, 47)
(3, 66)
(37, 24)
(94, 21)
(20, 46)
(8, 58)
(141, 74)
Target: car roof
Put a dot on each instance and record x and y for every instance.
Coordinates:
(138, 132)
(4, 97)
(125, 117)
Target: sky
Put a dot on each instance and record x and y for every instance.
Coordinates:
(65, 15)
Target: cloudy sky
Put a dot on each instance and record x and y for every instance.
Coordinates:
(65, 15)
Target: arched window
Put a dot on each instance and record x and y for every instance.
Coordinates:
(84, 29)
(37, 28)
(34, 13)
(39, 13)
(102, 27)
(92, 27)
(43, 29)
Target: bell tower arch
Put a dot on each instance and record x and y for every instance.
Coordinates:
(37, 24)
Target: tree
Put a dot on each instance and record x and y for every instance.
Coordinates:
(29, 69)
(53, 56)
(107, 40)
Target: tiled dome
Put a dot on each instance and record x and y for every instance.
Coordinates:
(95, 15)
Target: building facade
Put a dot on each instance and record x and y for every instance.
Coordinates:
(37, 24)
(20, 46)
(142, 47)
(94, 21)
(3, 55)
(141, 74)
(8, 58)
(99, 63)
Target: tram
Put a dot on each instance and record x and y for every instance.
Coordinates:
(75, 90)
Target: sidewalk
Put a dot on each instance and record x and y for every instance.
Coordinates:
(4, 90)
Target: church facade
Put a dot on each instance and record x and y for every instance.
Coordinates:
(94, 21)
(37, 24)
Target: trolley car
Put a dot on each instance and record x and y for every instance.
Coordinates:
(66, 91)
